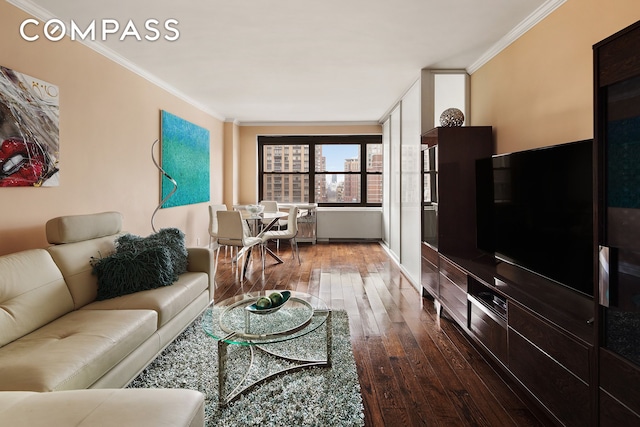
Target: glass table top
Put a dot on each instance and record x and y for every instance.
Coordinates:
(233, 322)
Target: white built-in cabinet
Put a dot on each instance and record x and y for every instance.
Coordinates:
(417, 111)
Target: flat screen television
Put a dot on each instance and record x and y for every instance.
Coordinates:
(535, 210)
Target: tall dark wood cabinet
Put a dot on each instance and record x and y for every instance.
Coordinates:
(449, 212)
(537, 333)
(617, 194)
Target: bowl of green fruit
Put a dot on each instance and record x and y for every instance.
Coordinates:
(269, 304)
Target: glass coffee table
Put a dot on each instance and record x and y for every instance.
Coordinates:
(257, 345)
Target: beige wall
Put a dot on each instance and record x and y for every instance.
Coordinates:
(109, 118)
(539, 91)
(231, 170)
(248, 150)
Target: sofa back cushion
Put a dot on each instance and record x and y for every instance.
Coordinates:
(74, 261)
(78, 228)
(32, 293)
(77, 239)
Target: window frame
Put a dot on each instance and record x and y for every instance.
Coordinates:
(312, 141)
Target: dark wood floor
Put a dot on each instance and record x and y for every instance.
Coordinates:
(414, 368)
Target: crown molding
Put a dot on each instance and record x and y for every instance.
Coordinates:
(44, 15)
(318, 124)
(529, 22)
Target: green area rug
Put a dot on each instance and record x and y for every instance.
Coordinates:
(308, 397)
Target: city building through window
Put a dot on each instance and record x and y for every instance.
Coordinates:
(326, 169)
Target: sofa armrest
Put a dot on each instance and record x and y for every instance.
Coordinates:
(201, 260)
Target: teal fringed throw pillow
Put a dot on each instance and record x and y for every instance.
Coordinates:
(170, 238)
(141, 263)
(127, 272)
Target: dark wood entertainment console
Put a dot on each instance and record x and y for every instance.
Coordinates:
(537, 332)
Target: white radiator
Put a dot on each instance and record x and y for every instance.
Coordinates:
(349, 224)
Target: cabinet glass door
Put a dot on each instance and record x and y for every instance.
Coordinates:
(620, 248)
(430, 195)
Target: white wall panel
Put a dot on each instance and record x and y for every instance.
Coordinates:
(410, 184)
(386, 179)
(394, 185)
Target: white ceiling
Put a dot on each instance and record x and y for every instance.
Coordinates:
(286, 61)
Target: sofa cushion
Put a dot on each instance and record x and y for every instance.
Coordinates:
(104, 408)
(75, 350)
(76, 228)
(166, 301)
(32, 293)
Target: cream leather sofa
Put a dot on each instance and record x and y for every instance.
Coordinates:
(53, 334)
(103, 408)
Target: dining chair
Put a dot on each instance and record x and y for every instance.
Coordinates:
(272, 206)
(269, 206)
(213, 224)
(231, 232)
(289, 234)
(213, 228)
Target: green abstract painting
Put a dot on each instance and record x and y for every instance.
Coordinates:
(185, 158)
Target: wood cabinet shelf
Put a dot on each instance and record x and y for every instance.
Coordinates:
(493, 300)
(449, 157)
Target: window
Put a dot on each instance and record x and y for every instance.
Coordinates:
(325, 169)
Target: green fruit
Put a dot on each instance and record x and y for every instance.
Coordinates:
(276, 298)
(263, 302)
